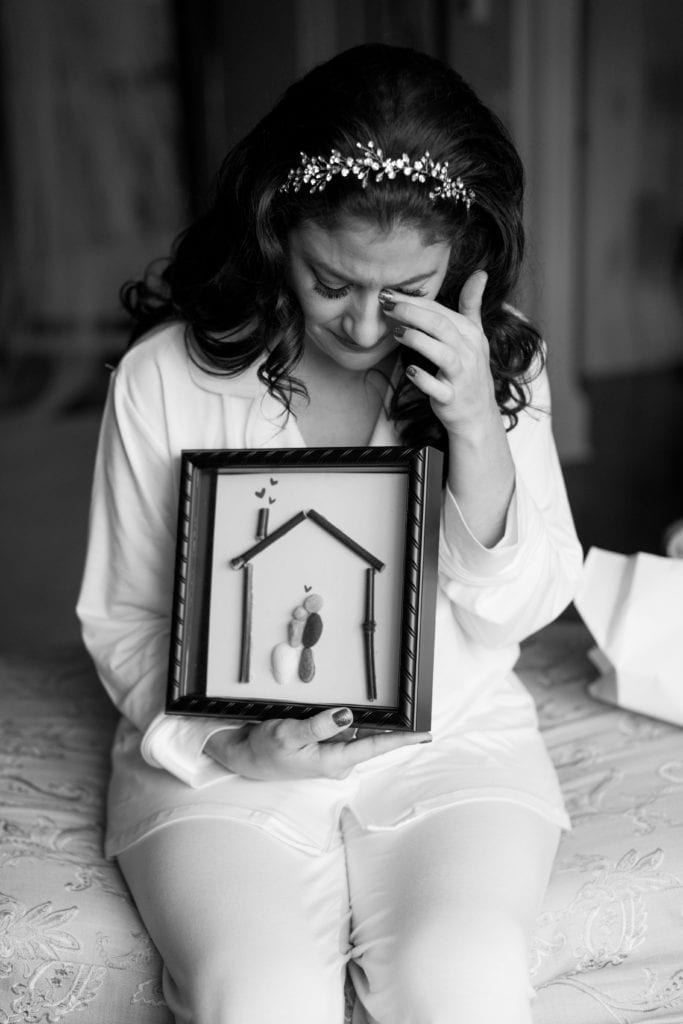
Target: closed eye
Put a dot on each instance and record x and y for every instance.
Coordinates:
(331, 293)
(341, 293)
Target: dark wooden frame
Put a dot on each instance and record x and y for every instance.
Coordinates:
(200, 470)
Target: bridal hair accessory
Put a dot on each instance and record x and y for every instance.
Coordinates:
(317, 171)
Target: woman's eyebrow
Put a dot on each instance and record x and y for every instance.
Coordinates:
(317, 264)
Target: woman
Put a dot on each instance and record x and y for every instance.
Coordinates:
(347, 285)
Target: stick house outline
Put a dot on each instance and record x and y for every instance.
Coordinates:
(374, 565)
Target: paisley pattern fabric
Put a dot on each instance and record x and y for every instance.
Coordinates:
(609, 941)
(72, 947)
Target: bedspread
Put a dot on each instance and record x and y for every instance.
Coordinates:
(608, 945)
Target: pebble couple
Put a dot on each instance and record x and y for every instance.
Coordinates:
(293, 658)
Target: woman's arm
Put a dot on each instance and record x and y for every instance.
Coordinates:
(127, 587)
(481, 473)
(510, 559)
(501, 594)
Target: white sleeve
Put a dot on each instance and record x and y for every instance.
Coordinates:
(502, 594)
(175, 742)
(127, 588)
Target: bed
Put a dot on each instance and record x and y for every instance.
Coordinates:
(608, 945)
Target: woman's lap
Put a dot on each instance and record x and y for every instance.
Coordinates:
(433, 918)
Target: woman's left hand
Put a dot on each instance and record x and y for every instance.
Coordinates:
(481, 474)
(461, 392)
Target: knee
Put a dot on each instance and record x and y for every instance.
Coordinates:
(270, 993)
(476, 972)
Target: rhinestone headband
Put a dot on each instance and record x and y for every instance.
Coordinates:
(317, 171)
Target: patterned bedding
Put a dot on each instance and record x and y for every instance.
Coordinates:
(608, 945)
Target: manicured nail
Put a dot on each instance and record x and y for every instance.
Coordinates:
(399, 331)
(343, 717)
(386, 299)
(411, 371)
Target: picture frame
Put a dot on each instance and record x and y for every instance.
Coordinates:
(305, 579)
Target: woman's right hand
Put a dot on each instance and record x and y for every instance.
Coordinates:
(292, 748)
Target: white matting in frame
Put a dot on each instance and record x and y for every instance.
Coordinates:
(309, 570)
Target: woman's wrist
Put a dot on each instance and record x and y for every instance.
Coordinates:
(481, 478)
(220, 745)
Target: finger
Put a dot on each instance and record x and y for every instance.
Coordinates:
(433, 320)
(366, 747)
(323, 726)
(444, 357)
(438, 390)
(471, 295)
(432, 317)
(345, 736)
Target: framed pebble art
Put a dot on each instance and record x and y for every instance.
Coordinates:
(306, 578)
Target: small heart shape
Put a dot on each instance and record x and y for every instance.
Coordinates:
(274, 482)
(271, 501)
(307, 589)
(259, 494)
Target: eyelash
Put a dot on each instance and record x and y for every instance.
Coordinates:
(331, 293)
(341, 293)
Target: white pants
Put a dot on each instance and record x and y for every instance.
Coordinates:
(432, 919)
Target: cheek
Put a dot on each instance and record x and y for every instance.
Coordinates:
(318, 311)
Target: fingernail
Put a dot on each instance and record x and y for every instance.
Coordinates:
(386, 299)
(411, 371)
(399, 331)
(343, 717)
(428, 740)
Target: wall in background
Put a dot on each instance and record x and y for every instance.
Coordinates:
(117, 117)
(94, 189)
(634, 186)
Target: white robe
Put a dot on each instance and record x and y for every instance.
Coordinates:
(486, 743)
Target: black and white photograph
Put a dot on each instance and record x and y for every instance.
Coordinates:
(341, 439)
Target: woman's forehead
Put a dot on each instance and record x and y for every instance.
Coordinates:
(359, 250)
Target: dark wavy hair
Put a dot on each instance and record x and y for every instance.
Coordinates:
(226, 277)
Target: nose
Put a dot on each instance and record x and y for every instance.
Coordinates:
(364, 322)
